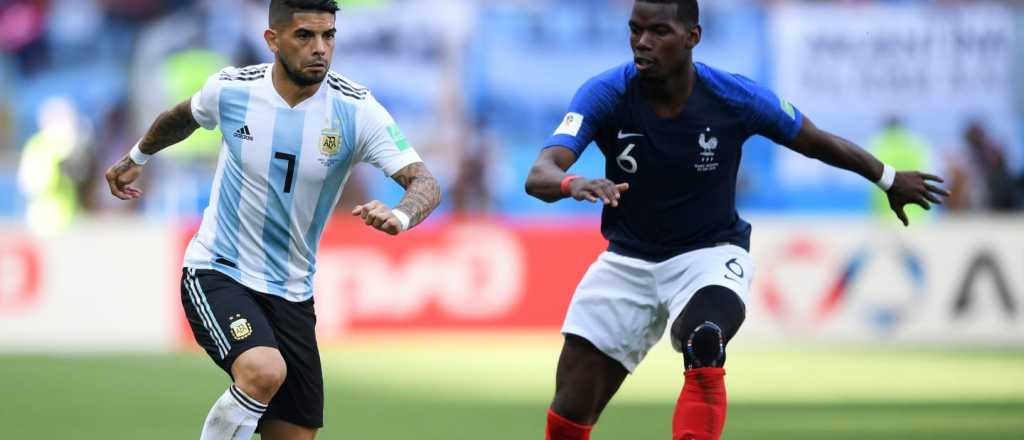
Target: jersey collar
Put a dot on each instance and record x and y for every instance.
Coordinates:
(268, 80)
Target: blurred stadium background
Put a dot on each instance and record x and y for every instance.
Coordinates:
(857, 328)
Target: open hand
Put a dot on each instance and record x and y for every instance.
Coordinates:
(914, 187)
(592, 190)
(379, 216)
(121, 175)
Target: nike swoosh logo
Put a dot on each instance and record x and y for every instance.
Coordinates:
(628, 135)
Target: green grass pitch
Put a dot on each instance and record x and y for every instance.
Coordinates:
(448, 387)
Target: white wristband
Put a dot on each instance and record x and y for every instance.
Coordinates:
(138, 156)
(888, 177)
(403, 218)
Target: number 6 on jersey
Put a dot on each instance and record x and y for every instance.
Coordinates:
(627, 162)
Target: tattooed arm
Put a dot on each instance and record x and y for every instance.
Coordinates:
(170, 127)
(422, 195)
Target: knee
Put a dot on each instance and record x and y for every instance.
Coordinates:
(705, 326)
(703, 346)
(260, 372)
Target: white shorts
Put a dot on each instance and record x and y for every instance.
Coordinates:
(623, 304)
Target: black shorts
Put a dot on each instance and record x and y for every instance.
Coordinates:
(228, 318)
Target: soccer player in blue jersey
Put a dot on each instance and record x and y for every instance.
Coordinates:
(672, 131)
(292, 130)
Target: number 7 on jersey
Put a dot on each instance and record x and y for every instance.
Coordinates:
(290, 174)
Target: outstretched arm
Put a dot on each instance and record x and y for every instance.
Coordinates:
(422, 195)
(549, 182)
(171, 127)
(906, 188)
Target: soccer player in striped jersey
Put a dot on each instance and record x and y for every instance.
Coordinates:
(292, 130)
(672, 133)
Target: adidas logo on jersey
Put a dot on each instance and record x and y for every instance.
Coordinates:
(244, 133)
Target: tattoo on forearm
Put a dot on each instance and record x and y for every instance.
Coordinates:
(122, 165)
(170, 127)
(422, 193)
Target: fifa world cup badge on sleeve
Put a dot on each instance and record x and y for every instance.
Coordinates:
(240, 328)
(788, 108)
(570, 125)
(398, 138)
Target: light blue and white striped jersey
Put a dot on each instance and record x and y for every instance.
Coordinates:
(280, 173)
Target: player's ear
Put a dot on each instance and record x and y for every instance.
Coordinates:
(271, 36)
(693, 34)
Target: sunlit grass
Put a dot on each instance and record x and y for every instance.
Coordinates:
(506, 368)
(497, 387)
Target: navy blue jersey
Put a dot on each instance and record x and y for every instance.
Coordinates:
(681, 170)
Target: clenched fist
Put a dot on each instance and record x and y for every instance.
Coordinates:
(379, 216)
(121, 175)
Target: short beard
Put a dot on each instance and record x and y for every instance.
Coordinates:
(299, 79)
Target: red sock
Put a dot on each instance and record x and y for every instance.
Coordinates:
(560, 428)
(700, 411)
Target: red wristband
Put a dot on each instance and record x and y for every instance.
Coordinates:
(565, 184)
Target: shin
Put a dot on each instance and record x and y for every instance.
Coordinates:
(703, 330)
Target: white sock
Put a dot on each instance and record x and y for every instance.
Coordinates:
(233, 417)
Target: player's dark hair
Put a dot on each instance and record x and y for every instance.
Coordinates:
(281, 10)
(687, 11)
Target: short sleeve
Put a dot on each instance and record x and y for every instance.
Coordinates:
(592, 106)
(382, 143)
(205, 103)
(770, 115)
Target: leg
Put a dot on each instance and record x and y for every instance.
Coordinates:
(259, 372)
(706, 325)
(614, 318)
(585, 381)
(230, 325)
(703, 330)
(297, 409)
(282, 430)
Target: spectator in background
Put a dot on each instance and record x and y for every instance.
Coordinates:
(471, 192)
(896, 145)
(49, 167)
(981, 178)
(6, 123)
(22, 24)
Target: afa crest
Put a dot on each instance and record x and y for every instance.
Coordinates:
(240, 328)
(330, 142)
